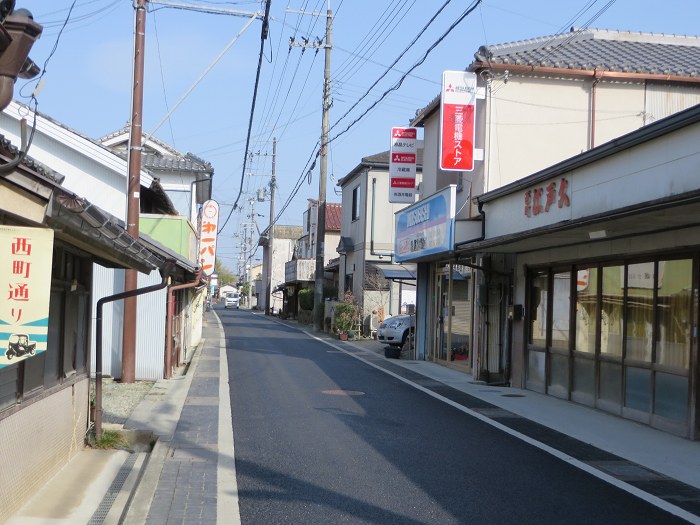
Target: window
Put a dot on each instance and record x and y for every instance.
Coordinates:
(356, 203)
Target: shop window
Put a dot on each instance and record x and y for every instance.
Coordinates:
(561, 301)
(673, 313)
(611, 311)
(639, 312)
(610, 389)
(539, 295)
(638, 389)
(671, 396)
(586, 309)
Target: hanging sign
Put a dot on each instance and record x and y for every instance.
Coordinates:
(25, 281)
(402, 165)
(457, 111)
(207, 236)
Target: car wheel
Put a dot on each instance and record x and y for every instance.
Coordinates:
(392, 352)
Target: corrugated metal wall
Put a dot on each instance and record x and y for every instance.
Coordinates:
(663, 100)
(150, 326)
(107, 281)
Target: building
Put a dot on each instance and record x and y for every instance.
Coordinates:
(540, 103)
(275, 255)
(52, 239)
(366, 264)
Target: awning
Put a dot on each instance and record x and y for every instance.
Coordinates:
(397, 272)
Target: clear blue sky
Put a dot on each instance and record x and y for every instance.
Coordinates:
(88, 79)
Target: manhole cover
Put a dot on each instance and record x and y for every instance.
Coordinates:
(342, 392)
(512, 395)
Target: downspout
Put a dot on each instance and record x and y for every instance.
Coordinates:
(596, 79)
(169, 321)
(371, 230)
(165, 273)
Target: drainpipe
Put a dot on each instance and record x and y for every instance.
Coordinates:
(596, 79)
(165, 273)
(169, 321)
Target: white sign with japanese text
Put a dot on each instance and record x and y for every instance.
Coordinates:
(209, 225)
(402, 165)
(25, 279)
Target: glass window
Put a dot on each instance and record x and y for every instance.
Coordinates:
(356, 203)
(610, 389)
(560, 310)
(538, 309)
(671, 396)
(640, 296)
(638, 389)
(558, 374)
(584, 376)
(673, 313)
(611, 311)
(586, 307)
(535, 368)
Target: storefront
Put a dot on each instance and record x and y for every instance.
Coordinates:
(603, 253)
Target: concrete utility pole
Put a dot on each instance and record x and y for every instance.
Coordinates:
(250, 252)
(270, 235)
(321, 205)
(133, 199)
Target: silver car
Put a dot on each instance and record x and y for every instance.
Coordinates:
(394, 330)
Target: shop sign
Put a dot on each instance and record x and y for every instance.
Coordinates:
(402, 165)
(25, 281)
(540, 200)
(427, 227)
(207, 236)
(457, 114)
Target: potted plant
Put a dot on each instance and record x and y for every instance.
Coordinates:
(345, 314)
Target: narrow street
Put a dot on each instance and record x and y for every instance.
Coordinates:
(321, 437)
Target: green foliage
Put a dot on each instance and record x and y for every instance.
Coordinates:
(306, 298)
(110, 439)
(225, 275)
(345, 316)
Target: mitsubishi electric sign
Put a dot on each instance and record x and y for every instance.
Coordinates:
(457, 112)
(402, 165)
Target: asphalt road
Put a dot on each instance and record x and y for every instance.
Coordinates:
(321, 437)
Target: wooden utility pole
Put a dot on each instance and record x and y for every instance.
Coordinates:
(323, 175)
(133, 199)
(270, 235)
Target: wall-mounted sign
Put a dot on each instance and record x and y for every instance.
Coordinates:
(457, 112)
(207, 236)
(25, 281)
(540, 200)
(427, 227)
(402, 165)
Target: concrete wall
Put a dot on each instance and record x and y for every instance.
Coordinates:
(38, 441)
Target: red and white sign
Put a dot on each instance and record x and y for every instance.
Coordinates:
(209, 225)
(457, 111)
(402, 165)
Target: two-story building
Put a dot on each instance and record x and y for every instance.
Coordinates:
(366, 265)
(541, 105)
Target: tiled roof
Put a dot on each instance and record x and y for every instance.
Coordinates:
(333, 216)
(594, 49)
(188, 162)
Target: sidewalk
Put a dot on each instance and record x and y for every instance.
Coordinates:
(189, 476)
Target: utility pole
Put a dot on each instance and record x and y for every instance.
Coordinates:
(321, 205)
(270, 236)
(133, 192)
(250, 254)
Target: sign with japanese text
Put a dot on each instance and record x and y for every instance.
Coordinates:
(25, 281)
(457, 112)
(542, 199)
(402, 165)
(427, 227)
(208, 227)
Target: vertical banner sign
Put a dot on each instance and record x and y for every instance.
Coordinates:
(25, 282)
(207, 236)
(457, 110)
(402, 165)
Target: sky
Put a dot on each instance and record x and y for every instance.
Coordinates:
(201, 68)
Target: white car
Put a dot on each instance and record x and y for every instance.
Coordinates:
(231, 301)
(394, 330)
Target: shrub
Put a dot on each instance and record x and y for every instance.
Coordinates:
(345, 316)
(306, 298)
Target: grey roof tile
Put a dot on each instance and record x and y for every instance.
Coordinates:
(589, 49)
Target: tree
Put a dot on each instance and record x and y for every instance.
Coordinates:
(226, 276)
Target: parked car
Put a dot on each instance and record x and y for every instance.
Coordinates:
(394, 330)
(231, 301)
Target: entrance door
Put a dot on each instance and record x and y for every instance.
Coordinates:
(438, 350)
